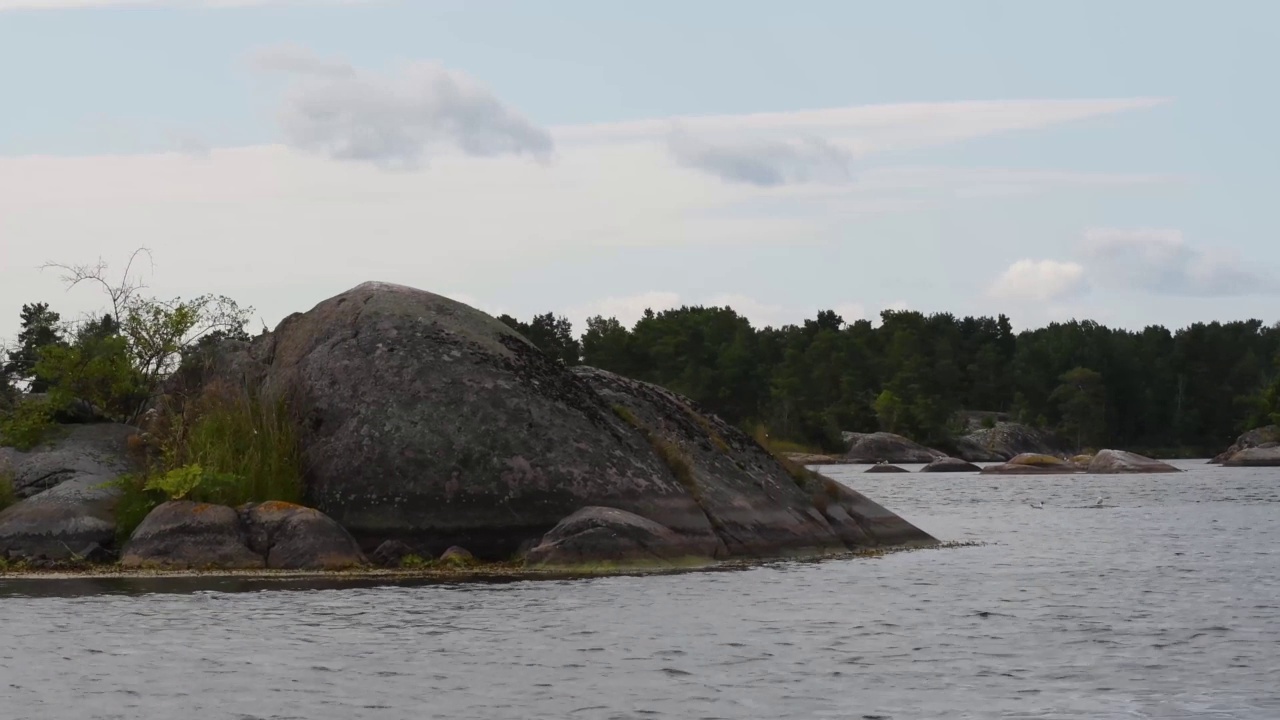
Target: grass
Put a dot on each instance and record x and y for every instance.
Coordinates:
(229, 449)
(671, 455)
(7, 495)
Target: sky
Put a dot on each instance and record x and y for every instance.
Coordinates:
(1047, 160)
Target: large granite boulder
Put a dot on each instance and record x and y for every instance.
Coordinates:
(752, 503)
(426, 421)
(1033, 464)
(1254, 438)
(181, 534)
(1265, 455)
(293, 537)
(1119, 461)
(67, 503)
(596, 534)
(950, 465)
(887, 447)
(1006, 440)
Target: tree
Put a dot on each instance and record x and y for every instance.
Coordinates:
(40, 329)
(1081, 399)
(551, 334)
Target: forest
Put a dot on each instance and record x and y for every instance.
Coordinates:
(1186, 392)
(1173, 393)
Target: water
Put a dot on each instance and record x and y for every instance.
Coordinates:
(1163, 604)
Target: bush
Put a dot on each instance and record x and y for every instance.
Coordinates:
(225, 448)
(27, 425)
(7, 495)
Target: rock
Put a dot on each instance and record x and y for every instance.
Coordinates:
(458, 557)
(292, 537)
(752, 502)
(390, 553)
(1082, 460)
(95, 553)
(428, 422)
(1036, 459)
(812, 459)
(885, 468)
(1010, 468)
(887, 447)
(66, 502)
(1252, 439)
(608, 535)
(950, 464)
(1007, 440)
(181, 534)
(1119, 461)
(1265, 455)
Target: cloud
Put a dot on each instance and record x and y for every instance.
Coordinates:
(85, 4)
(1039, 281)
(395, 121)
(821, 146)
(764, 162)
(1161, 261)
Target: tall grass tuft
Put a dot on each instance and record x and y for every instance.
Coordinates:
(227, 448)
(7, 495)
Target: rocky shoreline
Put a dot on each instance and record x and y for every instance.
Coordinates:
(432, 435)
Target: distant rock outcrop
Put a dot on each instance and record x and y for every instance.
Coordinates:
(887, 447)
(1252, 439)
(1119, 461)
(950, 465)
(1005, 441)
(1266, 455)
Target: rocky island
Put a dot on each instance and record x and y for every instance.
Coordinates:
(425, 427)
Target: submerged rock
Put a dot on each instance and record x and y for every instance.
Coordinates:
(181, 534)
(603, 534)
(67, 500)
(887, 447)
(950, 464)
(1267, 455)
(886, 468)
(1119, 461)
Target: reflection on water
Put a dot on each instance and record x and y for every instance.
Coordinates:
(1163, 604)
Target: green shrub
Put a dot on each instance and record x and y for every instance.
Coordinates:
(416, 562)
(7, 495)
(27, 425)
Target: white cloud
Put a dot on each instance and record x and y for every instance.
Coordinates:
(282, 229)
(395, 121)
(1039, 281)
(84, 4)
(1162, 261)
(764, 162)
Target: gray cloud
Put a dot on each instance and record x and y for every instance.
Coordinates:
(394, 121)
(1161, 261)
(764, 162)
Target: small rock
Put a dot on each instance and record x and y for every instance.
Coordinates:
(390, 553)
(293, 537)
(1019, 469)
(181, 534)
(886, 468)
(95, 553)
(458, 556)
(950, 464)
(603, 534)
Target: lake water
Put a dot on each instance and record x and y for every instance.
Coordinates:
(1164, 603)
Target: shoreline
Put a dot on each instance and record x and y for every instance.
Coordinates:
(494, 572)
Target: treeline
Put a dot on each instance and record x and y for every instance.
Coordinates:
(1188, 392)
